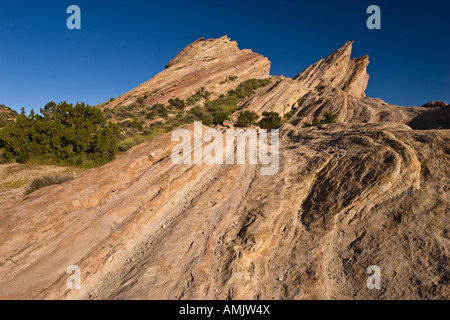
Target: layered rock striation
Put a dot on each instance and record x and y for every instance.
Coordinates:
(218, 65)
(369, 190)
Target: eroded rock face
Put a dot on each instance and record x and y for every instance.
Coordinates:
(346, 197)
(281, 96)
(369, 190)
(204, 63)
(339, 71)
(435, 104)
(337, 84)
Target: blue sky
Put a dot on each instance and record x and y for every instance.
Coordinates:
(124, 43)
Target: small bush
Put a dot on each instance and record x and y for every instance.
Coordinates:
(151, 115)
(247, 119)
(23, 158)
(229, 79)
(123, 114)
(177, 103)
(270, 121)
(140, 100)
(160, 110)
(136, 124)
(47, 180)
(288, 116)
(220, 117)
(329, 118)
(133, 124)
(3, 157)
(201, 94)
(126, 145)
(199, 114)
(247, 88)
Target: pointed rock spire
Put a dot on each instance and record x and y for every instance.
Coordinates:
(338, 70)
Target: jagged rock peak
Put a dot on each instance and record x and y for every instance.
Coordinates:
(435, 104)
(340, 71)
(205, 64)
(202, 49)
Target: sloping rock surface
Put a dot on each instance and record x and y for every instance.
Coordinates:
(369, 190)
(205, 64)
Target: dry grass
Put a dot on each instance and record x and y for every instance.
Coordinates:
(47, 180)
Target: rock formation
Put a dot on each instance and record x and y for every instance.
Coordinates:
(339, 71)
(337, 84)
(369, 190)
(205, 63)
(7, 115)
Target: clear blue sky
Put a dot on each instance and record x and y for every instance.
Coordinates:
(125, 43)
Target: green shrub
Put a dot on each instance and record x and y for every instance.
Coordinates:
(220, 117)
(229, 79)
(151, 115)
(247, 119)
(161, 110)
(287, 116)
(227, 104)
(3, 157)
(140, 100)
(201, 94)
(177, 103)
(248, 87)
(329, 118)
(23, 158)
(63, 132)
(199, 114)
(123, 113)
(135, 123)
(270, 121)
(47, 180)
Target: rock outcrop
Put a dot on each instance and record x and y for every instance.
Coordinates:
(435, 104)
(369, 190)
(337, 84)
(217, 65)
(336, 74)
(339, 71)
(7, 115)
(346, 197)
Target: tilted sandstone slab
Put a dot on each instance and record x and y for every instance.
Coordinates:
(339, 71)
(350, 109)
(337, 84)
(204, 63)
(366, 191)
(345, 197)
(281, 97)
